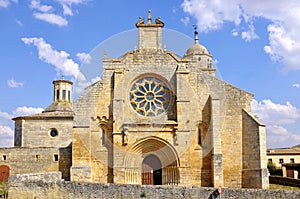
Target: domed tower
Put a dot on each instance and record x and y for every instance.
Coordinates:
(62, 96)
(200, 56)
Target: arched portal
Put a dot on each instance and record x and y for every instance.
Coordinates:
(154, 154)
(4, 173)
(151, 170)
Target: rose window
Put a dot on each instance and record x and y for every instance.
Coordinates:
(150, 96)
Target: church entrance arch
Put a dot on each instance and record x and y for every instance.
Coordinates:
(151, 160)
(4, 173)
(151, 170)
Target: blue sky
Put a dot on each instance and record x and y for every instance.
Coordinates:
(255, 46)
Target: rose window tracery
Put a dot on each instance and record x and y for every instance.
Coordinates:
(150, 96)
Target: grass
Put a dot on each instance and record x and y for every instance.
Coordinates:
(3, 189)
(282, 187)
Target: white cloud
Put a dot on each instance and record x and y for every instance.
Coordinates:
(51, 18)
(67, 10)
(296, 85)
(14, 84)
(277, 117)
(48, 13)
(275, 114)
(7, 136)
(36, 4)
(24, 110)
(211, 15)
(234, 33)
(81, 85)
(6, 131)
(6, 116)
(185, 20)
(6, 3)
(84, 57)
(60, 59)
(250, 34)
(284, 18)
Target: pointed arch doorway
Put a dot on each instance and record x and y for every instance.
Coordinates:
(151, 170)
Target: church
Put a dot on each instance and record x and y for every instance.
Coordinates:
(155, 118)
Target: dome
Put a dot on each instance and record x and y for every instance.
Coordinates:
(196, 49)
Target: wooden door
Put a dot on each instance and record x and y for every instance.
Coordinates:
(4, 173)
(151, 171)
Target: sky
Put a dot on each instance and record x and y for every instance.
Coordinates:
(255, 46)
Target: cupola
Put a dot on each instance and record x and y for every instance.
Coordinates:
(62, 96)
(199, 56)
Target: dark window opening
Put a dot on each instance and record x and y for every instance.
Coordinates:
(57, 94)
(292, 160)
(69, 96)
(55, 157)
(270, 160)
(37, 158)
(103, 137)
(281, 160)
(53, 133)
(199, 136)
(4, 157)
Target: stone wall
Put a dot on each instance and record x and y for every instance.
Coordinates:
(284, 181)
(37, 160)
(21, 188)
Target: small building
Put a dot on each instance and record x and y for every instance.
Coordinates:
(288, 159)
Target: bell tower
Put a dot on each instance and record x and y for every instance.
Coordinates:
(150, 34)
(62, 96)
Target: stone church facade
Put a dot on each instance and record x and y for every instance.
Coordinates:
(154, 118)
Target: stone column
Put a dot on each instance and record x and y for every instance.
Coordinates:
(217, 165)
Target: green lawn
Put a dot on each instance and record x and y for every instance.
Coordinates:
(3, 188)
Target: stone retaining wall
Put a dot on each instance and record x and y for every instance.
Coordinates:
(284, 181)
(26, 187)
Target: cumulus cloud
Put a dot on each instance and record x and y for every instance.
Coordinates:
(6, 3)
(14, 84)
(51, 18)
(7, 136)
(24, 110)
(250, 34)
(284, 19)
(5, 115)
(49, 13)
(36, 4)
(272, 113)
(296, 85)
(84, 57)
(276, 117)
(59, 59)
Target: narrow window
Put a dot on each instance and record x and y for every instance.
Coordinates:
(69, 96)
(55, 157)
(103, 137)
(199, 136)
(57, 94)
(270, 160)
(37, 158)
(64, 95)
(4, 157)
(292, 160)
(281, 160)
